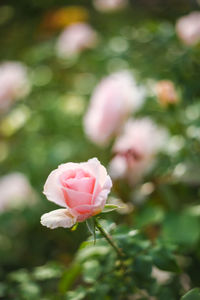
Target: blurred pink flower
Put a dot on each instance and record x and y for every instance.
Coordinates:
(15, 191)
(135, 149)
(76, 38)
(188, 28)
(14, 83)
(82, 188)
(113, 100)
(110, 5)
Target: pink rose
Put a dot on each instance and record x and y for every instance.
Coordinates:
(135, 149)
(112, 102)
(82, 188)
(13, 83)
(188, 28)
(110, 5)
(76, 38)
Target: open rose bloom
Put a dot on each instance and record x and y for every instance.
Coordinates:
(13, 83)
(135, 150)
(76, 38)
(81, 188)
(112, 102)
(188, 28)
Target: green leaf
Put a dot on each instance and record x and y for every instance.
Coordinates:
(194, 294)
(110, 207)
(91, 227)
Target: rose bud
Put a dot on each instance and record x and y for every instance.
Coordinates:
(13, 83)
(110, 5)
(135, 150)
(111, 104)
(188, 28)
(166, 92)
(76, 38)
(81, 188)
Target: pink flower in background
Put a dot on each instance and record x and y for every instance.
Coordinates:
(135, 150)
(82, 188)
(14, 83)
(110, 5)
(76, 38)
(166, 92)
(15, 191)
(188, 28)
(113, 100)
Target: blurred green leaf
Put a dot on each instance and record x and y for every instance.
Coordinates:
(149, 215)
(91, 271)
(164, 259)
(182, 229)
(69, 277)
(110, 207)
(91, 227)
(78, 294)
(194, 294)
(48, 271)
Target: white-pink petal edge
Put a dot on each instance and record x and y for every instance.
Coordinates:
(58, 218)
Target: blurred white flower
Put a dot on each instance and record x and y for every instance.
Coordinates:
(110, 5)
(188, 28)
(76, 38)
(136, 148)
(15, 191)
(113, 100)
(14, 83)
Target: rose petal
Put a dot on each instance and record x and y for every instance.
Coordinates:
(58, 218)
(52, 190)
(83, 185)
(74, 198)
(100, 200)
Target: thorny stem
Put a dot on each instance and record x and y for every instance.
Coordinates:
(109, 239)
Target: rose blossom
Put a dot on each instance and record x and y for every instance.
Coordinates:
(76, 38)
(166, 92)
(15, 191)
(82, 188)
(13, 83)
(135, 149)
(110, 5)
(113, 100)
(188, 28)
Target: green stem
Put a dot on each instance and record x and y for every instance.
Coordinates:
(109, 239)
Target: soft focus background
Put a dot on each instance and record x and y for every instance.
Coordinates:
(44, 97)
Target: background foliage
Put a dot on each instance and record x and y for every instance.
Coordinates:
(45, 130)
